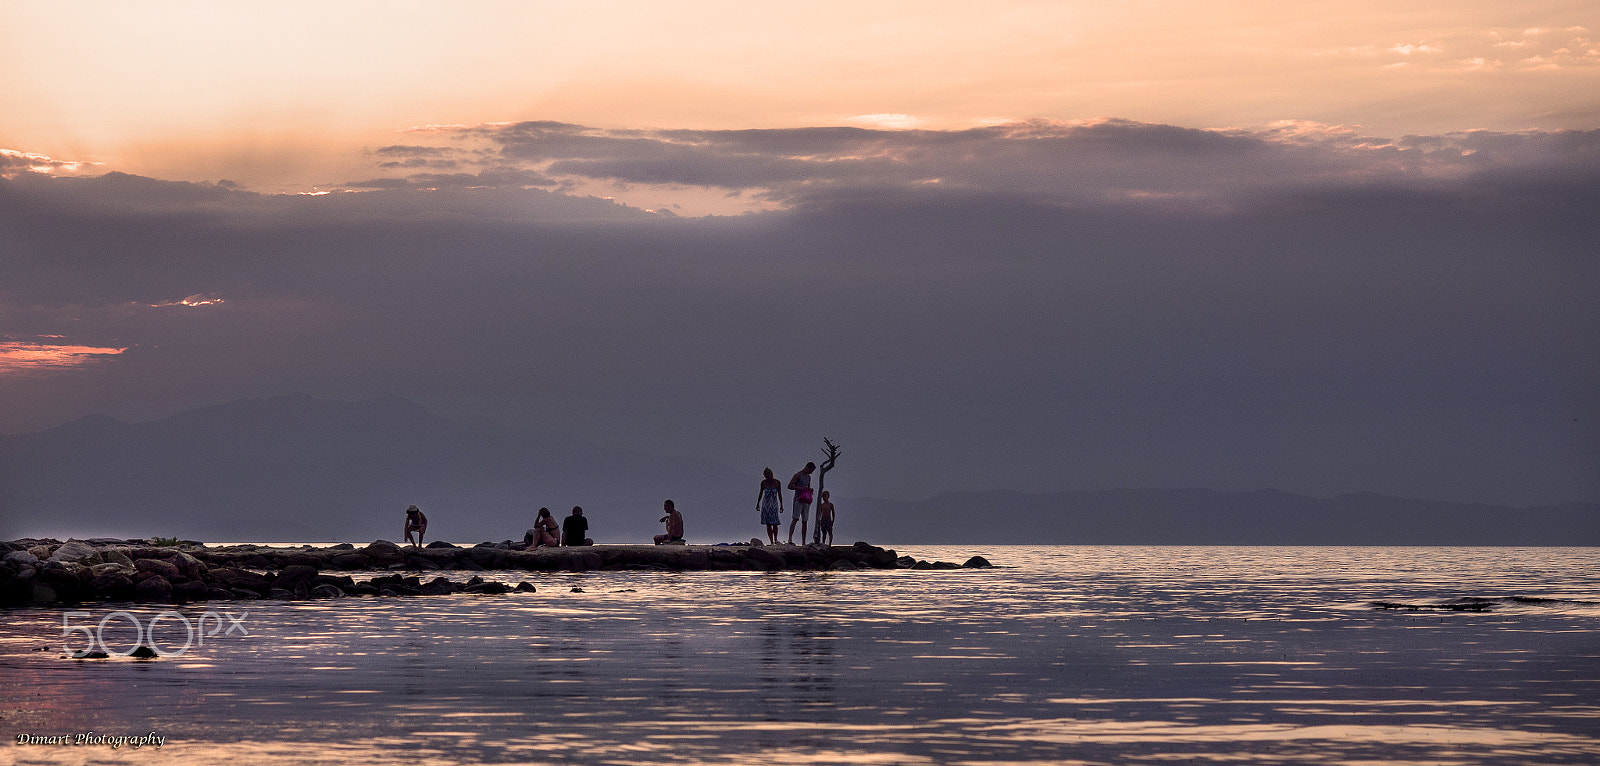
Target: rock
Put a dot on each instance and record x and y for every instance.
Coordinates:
(342, 547)
(238, 578)
(41, 552)
(193, 590)
(767, 559)
(440, 544)
(22, 558)
(143, 653)
(116, 557)
(905, 562)
(90, 654)
(327, 591)
(219, 594)
(190, 566)
(525, 587)
(153, 588)
(361, 590)
(488, 587)
(281, 594)
(756, 542)
(420, 563)
(384, 553)
(923, 565)
(349, 561)
(244, 593)
(439, 587)
(469, 565)
(112, 586)
(977, 562)
(945, 565)
(73, 550)
(42, 594)
(842, 565)
(159, 568)
(487, 556)
(294, 573)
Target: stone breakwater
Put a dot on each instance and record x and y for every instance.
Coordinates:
(103, 569)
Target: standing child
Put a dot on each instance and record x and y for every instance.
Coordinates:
(825, 520)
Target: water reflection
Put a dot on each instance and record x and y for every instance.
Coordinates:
(1089, 655)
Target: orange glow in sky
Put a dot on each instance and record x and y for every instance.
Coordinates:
(16, 357)
(291, 96)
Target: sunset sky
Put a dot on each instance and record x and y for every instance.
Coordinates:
(1322, 247)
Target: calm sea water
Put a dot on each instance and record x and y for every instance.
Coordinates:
(1078, 655)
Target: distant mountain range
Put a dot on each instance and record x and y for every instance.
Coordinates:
(303, 469)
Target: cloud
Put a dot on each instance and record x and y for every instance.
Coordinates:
(1033, 305)
(13, 162)
(1042, 162)
(23, 357)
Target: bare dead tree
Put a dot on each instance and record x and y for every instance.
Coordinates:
(831, 452)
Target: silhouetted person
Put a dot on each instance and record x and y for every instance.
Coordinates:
(825, 519)
(545, 530)
(415, 523)
(801, 484)
(674, 522)
(574, 528)
(769, 503)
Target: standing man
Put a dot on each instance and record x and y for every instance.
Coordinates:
(574, 528)
(674, 520)
(801, 484)
(415, 523)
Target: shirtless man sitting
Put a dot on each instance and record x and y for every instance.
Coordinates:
(674, 520)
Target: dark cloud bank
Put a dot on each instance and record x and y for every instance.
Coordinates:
(1034, 307)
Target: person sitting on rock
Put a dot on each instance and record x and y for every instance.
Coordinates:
(574, 527)
(545, 530)
(415, 522)
(674, 520)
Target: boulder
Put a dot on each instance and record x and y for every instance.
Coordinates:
(349, 561)
(294, 573)
(41, 552)
(116, 557)
(22, 558)
(244, 593)
(383, 553)
(420, 563)
(111, 586)
(525, 587)
(767, 559)
(488, 587)
(977, 562)
(905, 562)
(842, 565)
(190, 566)
(280, 594)
(74, 550)
(159, 568)
(219, 594)
(193, 590)
(440, 544)
(153, 588)
(41, 593)
(325, 590)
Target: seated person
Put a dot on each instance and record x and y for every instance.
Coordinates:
(674, 520)
(574, 528)
(545, 530)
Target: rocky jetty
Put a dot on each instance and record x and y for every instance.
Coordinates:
(104, 569)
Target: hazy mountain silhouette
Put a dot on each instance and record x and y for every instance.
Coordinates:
(303, 469)
(1208, 517)
(298, 468)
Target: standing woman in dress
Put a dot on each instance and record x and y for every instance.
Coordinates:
(770, 503)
